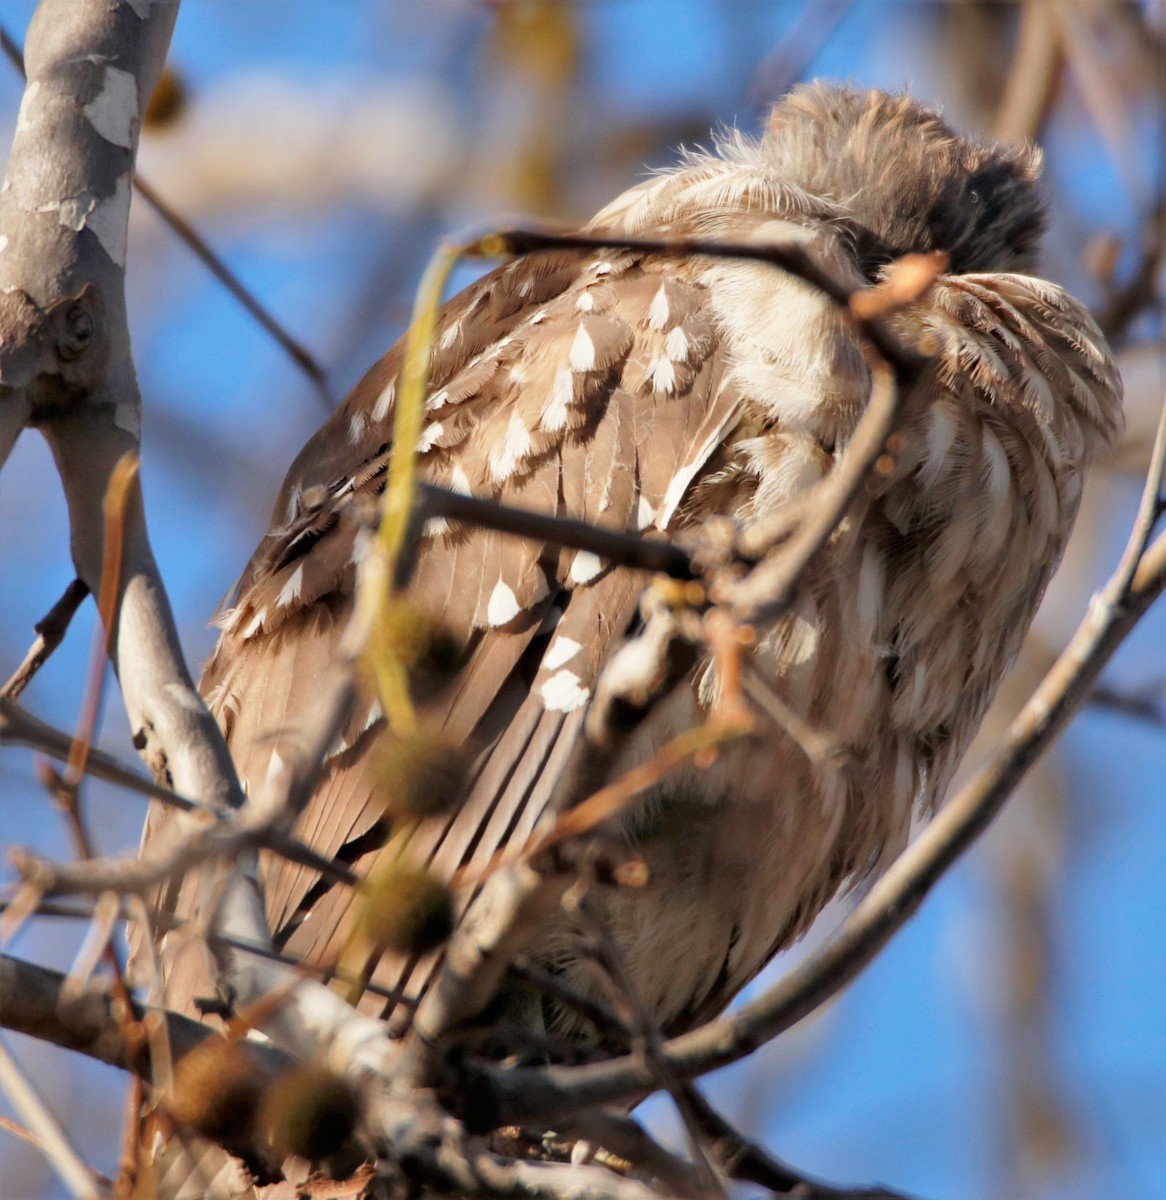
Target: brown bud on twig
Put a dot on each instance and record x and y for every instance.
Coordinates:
(168, 101)
(310, 1112)
(217, 1086)
(406, 909)
(422, 645)
(422, 774)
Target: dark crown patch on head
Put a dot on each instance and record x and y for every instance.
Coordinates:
(906, 182)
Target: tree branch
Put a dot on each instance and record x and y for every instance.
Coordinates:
(748, 1162)
(50, 1137)
(201, 249)
(50, 631)
(34, 1001)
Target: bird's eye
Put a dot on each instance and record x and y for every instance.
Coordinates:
(974, 196)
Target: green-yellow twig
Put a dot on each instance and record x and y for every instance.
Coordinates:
(376, 589)
(375, 593)
(411, 400)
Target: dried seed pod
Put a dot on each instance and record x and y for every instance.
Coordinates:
(421, 775)
(310, 1112)
(406, 909)
(217, 1087)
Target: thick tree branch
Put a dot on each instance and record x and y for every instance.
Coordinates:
(66, 353)
(66, 367)
(35, 1002)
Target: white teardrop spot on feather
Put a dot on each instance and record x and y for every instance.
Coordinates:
(586, 302)
(429, 436)
(384, 401)
(275, 768)
(563, 692)
(515, 446)
(556, 406)
(503, 606)
(255, 624)
(585, 566)
(362, 546)
(459, 482)
(582, 357)
(676, 345)
(645, 514)
(293, 504)
(658, 310)
(663, 375)
(560, 651)
(290, 592)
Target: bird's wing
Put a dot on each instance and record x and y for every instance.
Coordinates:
(588, 385)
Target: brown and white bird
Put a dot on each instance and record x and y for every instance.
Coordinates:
(648, 393)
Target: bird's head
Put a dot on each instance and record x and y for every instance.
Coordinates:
(907, 181)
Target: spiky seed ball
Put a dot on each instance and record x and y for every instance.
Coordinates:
(423, 646)
(421, 775)
(406, 909)
(310, 1112)
(217, 1086)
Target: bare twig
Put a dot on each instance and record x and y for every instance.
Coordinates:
(33, 1002)
(422, 1141)
(26, 1135)
(607, 1022)
(66, 788)
(782, 67)
(649, 1039)
(1101, 91)
(602, 805)
(50, 631)
(76, 912)
(771, 587)
(19, 727)
(624, 549)
(1147, 705)
(65, 352)
(790, 257)
(251, 303)
(625, 1137)
(749, 1162)
(495, 929)
(817, 745)
(50, 1137)
(429, 1146)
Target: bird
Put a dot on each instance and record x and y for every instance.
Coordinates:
(652, 394)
